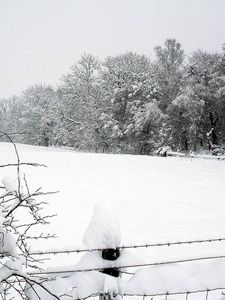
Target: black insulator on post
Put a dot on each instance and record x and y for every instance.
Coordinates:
(112, 272)
(110, 254)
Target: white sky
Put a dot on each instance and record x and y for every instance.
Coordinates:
(41, 39)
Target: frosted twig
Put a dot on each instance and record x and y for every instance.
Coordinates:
(23, 164)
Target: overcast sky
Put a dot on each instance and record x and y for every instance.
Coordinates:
(41, 39)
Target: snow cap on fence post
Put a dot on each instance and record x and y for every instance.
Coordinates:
(104, 232)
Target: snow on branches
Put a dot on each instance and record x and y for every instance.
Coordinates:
(20, 212)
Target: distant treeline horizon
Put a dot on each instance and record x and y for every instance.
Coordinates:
(126, 104)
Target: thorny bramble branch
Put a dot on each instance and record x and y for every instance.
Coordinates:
(15, 254)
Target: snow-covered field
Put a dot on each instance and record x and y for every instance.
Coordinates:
(156, 200)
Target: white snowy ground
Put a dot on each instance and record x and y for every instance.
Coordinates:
(156, 199)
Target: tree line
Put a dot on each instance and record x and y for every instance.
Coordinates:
(127, 104)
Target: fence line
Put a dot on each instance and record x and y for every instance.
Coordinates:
(131, 265)
(166, 294)
(128, 247)
(187, 293)
(177, 293)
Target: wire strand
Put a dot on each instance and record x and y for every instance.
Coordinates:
(166, 294)
(132, 265)
(177, 293)
(128, 246)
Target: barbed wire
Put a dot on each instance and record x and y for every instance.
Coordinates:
(166, 294)
(131, 265)
(186, 292)
(177, 293)
(63, 251)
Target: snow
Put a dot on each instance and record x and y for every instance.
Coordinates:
(10, 267)
(207, 156)
(156, 199)
(7, 242)
(78, 286)
(93, 260)
(7, 239)
(177, 278)
(10, 184)
(104, 230)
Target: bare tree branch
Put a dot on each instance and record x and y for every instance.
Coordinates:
(10, 201)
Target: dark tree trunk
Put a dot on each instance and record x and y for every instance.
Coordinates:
(213, 126)
(186, 144)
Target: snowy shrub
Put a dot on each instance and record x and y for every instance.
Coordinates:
(163, 151)
(217, 150)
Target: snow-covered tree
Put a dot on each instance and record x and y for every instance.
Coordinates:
(148, 122)
(185, 115)
(80, 101)
(206, 80)
(168, 73)
(168, 69)
(127, 103)
(37, 114)
(128, 85)
(10, 111)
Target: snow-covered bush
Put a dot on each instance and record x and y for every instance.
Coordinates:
(163, 151)
(217, 150)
